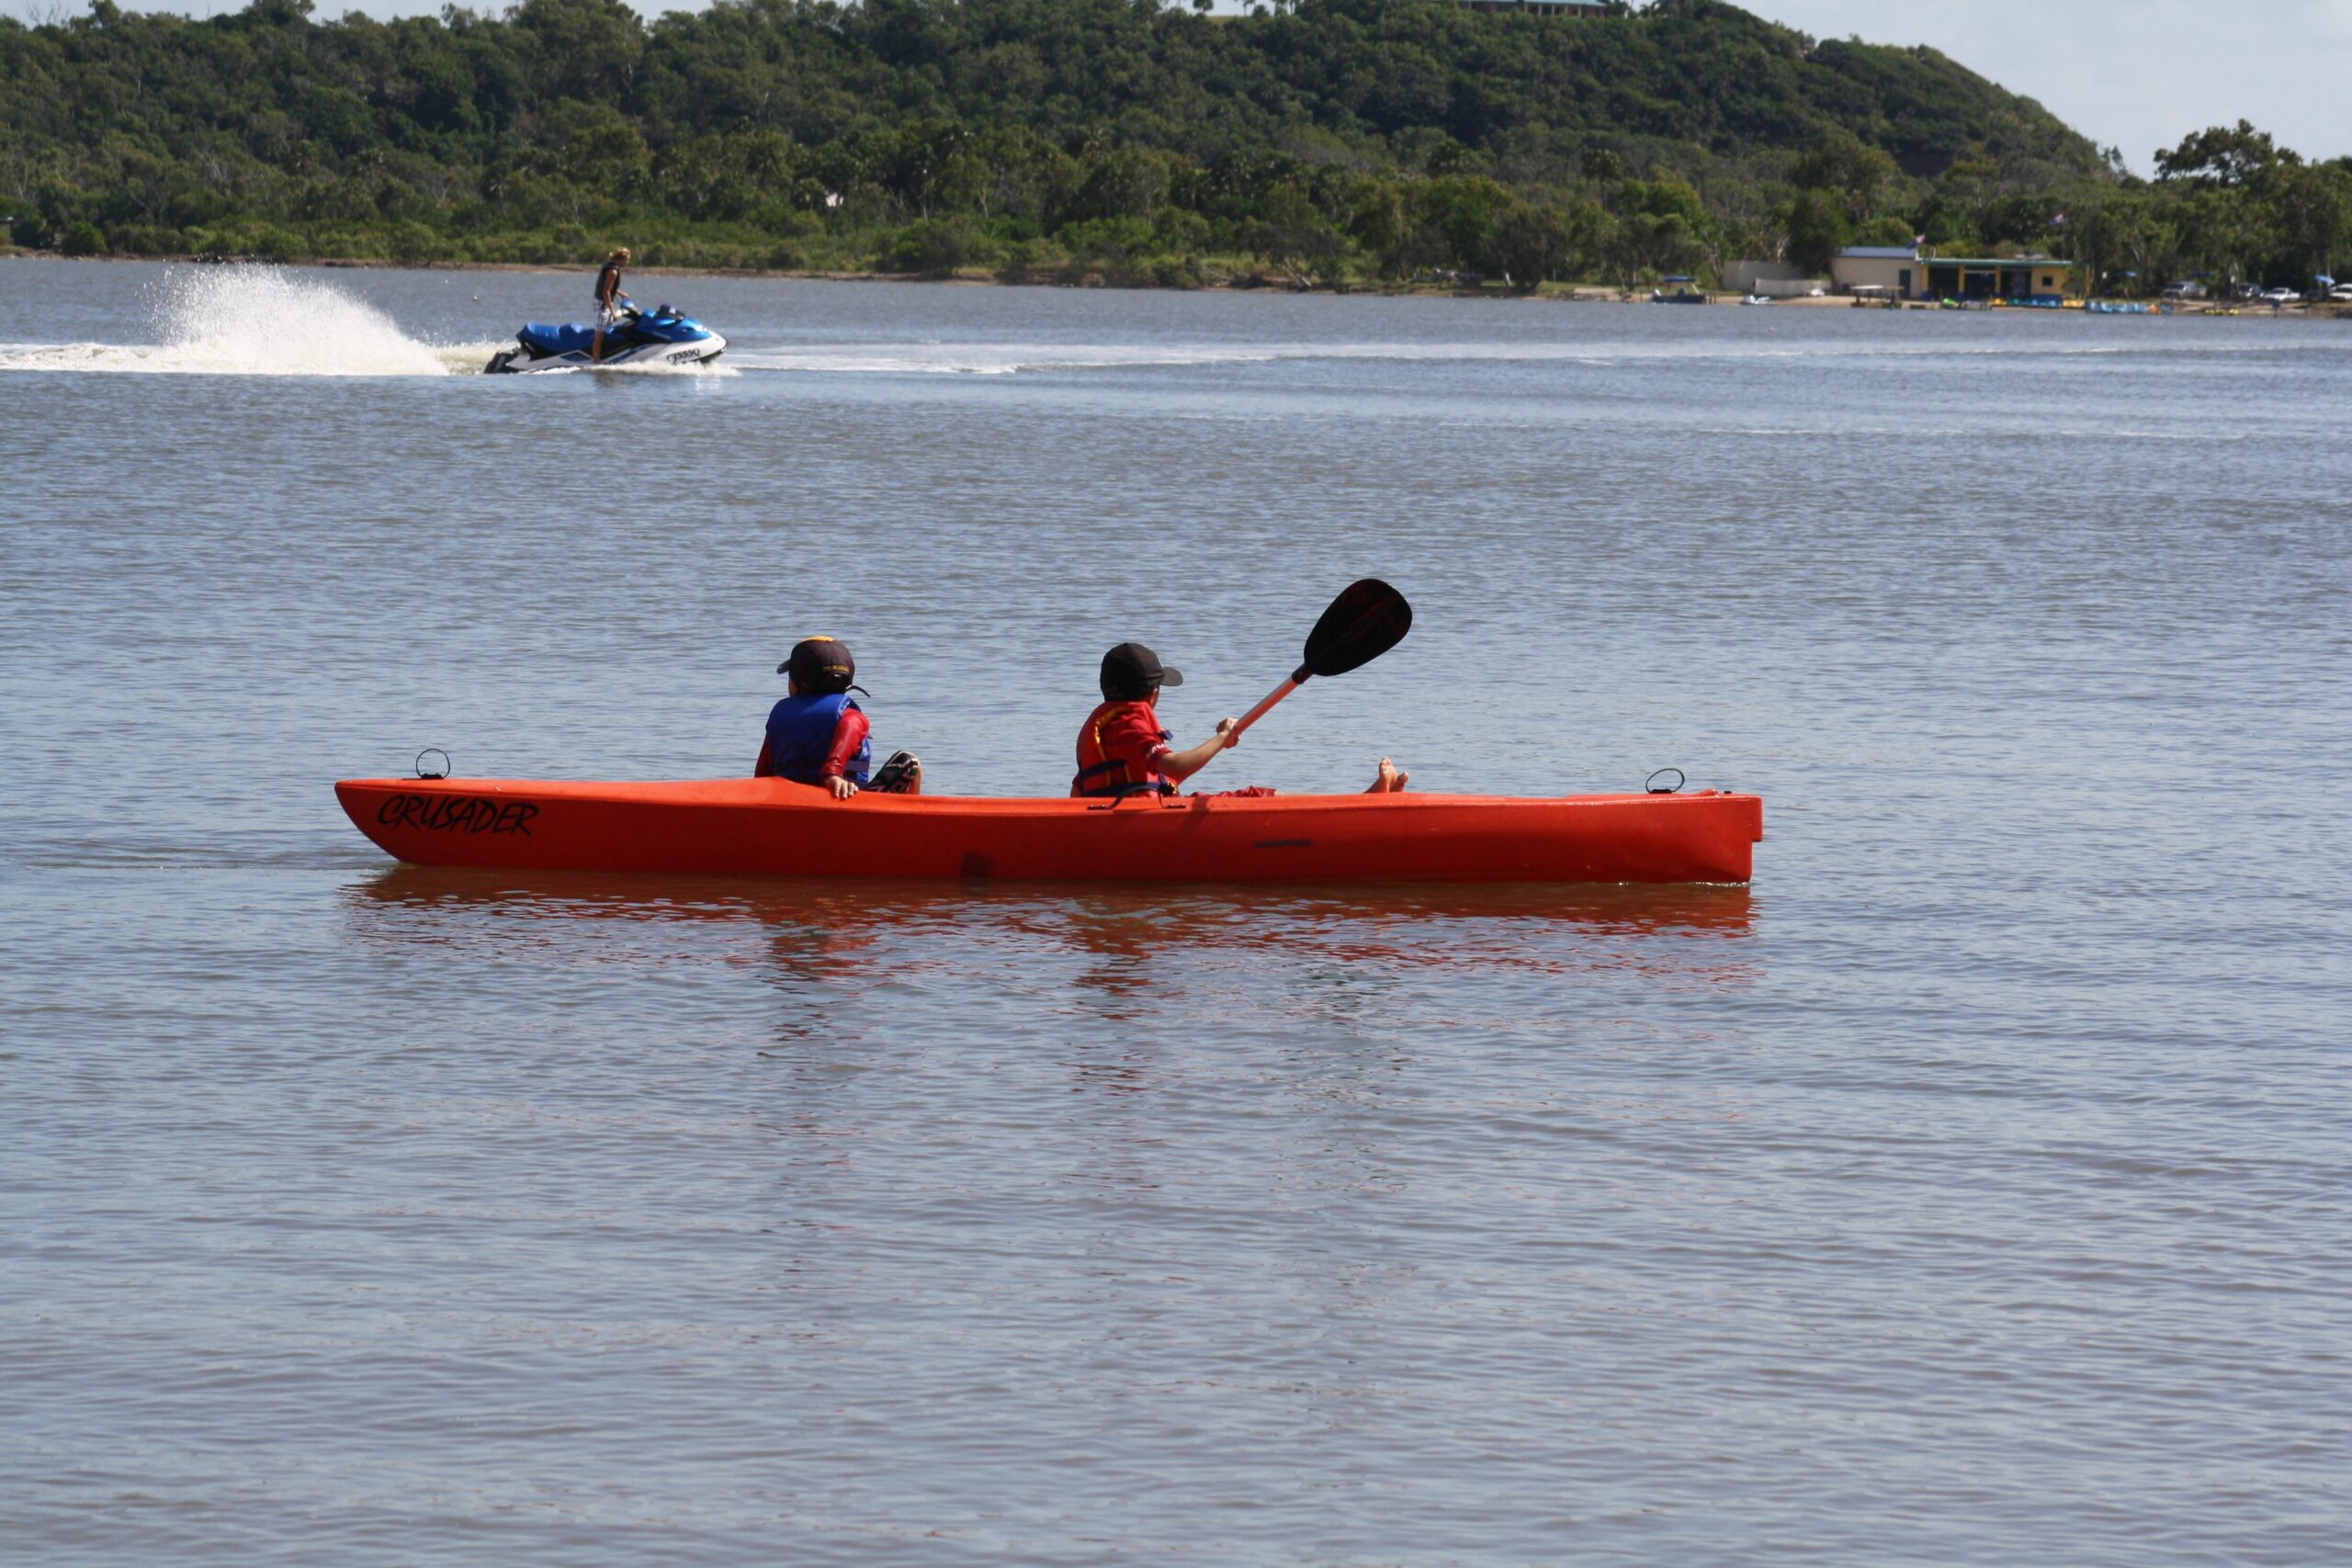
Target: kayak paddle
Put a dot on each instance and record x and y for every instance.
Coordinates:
(1365, 621)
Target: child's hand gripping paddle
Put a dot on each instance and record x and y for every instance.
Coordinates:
(1365, 621)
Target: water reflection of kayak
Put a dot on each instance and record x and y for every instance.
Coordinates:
(813, 925)
(1624, 908)
(1091, 950)
(771, 828)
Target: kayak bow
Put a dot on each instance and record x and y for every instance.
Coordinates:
(772, 828)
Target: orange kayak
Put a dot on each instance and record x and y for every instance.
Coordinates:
(771, 828)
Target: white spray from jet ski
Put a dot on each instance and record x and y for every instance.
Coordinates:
(254, 321)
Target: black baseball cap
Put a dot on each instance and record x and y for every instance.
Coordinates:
(821, 664)
(1132, 672)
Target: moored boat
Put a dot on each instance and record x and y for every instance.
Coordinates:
(773, 828)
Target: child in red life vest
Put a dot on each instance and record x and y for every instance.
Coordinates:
(817, 734)
(1123, 750)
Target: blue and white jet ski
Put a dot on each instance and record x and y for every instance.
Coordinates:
(659, 336)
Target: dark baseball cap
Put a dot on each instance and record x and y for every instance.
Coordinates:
(821, 664)
(1131, 672)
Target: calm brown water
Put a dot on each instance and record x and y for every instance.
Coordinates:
(1972, 1188)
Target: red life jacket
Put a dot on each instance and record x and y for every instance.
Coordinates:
(1099, 775)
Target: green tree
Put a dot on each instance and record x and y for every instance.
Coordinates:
(1296, 239)
(1462, 210)
(1857, 172)
(2222, 155)
(2311, 219)
(2221, 232)
(1817, 229)
(1531, 244)
(587, 50)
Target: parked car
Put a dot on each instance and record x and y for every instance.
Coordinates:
(2275, 298)
(2340, 295)
(2184, 291)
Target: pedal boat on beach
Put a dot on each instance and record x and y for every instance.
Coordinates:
(769, 826)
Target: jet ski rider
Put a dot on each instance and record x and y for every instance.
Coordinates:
(609, 300)
(817, 734)
(1123, 750)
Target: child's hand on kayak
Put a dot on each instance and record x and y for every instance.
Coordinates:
(843, 789)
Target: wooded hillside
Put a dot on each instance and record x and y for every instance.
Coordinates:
(1338, 140)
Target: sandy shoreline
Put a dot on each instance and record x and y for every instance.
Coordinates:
(1571, 294)
(973, 277)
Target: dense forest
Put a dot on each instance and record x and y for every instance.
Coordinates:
(1315, 141)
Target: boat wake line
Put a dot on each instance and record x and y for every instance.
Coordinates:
(981, 358)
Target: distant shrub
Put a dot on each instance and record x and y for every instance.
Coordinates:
(785, 221)
(1026, 261)
(536, 247)
(349, 244)
(147, 240)
(1175, 271)
(936, 247)
(83, 240)
(1114, 240)
(1179, 233)
(264, 241)
(413, 242)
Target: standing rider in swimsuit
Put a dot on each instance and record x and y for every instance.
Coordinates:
(609, 300)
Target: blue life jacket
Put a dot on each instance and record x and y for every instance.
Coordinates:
(800, 731)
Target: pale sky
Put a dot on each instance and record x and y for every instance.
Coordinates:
(2138, 74)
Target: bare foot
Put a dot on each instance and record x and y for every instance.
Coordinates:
(1389, 782)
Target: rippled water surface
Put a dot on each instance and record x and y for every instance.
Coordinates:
(1971, 1189)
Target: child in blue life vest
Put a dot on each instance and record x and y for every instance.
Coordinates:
(817, 734)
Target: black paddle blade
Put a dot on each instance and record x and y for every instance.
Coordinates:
(1365, 621)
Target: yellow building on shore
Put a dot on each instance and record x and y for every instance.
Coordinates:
(1907, 272)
